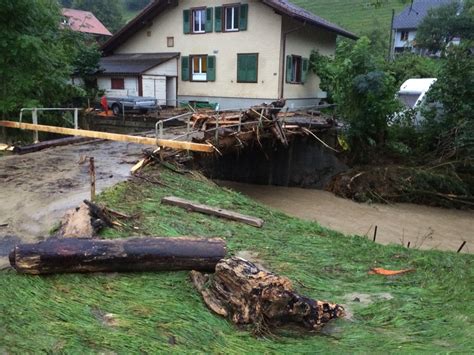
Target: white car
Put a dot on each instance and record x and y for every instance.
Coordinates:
(413, 93)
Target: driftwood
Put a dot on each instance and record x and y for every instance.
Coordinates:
(120, 255)
(246, 294)
(50, 144)
(214, 211)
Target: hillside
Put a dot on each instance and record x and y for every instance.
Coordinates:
(355, 15)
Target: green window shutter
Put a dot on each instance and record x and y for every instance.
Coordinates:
(209, 19)
(186, 21)
(211, 68)
(185, 71)
(241, 68)
(305, 70)
(289, 68)
(247, 68)
(244, 11)
(218, 19)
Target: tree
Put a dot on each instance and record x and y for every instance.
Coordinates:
(363, 91)
(34, 65)
(109, 12)
(409, 65)
(449, 118)
(445, 23)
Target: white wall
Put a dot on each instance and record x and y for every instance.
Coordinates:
(402, 44)
(302, 42)
(131, 84)
(263, 36)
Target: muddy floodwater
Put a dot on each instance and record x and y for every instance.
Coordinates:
(37, 189)
(423, 227)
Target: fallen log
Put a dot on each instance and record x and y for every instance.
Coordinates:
(248, 295)
(119, 255)
(214, 211)
(50, 144)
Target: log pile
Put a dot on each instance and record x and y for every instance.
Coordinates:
(246, 294)
(229, 131)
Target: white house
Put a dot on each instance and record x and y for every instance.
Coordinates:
(232, 53)
(406, 23)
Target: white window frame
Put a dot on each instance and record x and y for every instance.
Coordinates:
(198, 75)
(200, 15)
(235, 12)
(404, 36)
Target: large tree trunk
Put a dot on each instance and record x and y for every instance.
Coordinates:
(136, 254)
(246, 294)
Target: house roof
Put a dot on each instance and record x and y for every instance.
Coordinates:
(85, 21)
(132, 64)
(412, 15)
(146, 16)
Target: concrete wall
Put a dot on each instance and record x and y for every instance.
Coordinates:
(302, 42)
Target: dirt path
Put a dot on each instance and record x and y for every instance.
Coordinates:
(424, 227)
(36, 189)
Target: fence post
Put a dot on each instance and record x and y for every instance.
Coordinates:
(35, 121)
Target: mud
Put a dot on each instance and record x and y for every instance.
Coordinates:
(423, 227)
(38, 188)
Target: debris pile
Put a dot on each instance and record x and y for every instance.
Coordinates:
(229, 131)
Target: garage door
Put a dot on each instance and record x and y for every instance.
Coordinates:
(155, 86)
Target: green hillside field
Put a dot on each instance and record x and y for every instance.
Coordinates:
(358, 16)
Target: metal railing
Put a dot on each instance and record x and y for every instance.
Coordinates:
(34, 114)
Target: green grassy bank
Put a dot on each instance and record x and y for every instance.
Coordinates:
(430, 310)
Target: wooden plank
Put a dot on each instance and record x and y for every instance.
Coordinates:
(206, 148)
(50, 144)
(213, 211)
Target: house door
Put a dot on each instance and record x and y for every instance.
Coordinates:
(155, 86)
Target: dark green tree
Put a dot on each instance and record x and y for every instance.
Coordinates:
(363, 91)
(445, 23)
(34, 64)
(109, 12)
(448, 129)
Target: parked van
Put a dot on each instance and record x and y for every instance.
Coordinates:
(413, 93)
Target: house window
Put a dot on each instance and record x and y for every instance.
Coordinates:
(231, 18)
(297, 70)
(199, 68)
(247, 68)
(170, 42)
(404, 36)
(199, 20)
(118, 84)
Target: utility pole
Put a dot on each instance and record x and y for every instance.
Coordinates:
(390, 46)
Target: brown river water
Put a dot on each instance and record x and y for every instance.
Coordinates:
(424, 227)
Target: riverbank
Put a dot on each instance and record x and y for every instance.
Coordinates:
(427, 310)
(422, 226)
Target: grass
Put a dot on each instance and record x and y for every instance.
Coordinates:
(355, 15)
(431, 310)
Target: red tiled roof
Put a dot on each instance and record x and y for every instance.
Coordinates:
(85, 21)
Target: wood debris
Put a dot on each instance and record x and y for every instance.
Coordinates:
(248, 295)
(79, 255)
(213, 211)
(385, 272)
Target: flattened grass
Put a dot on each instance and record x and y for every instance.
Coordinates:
(428, 310)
